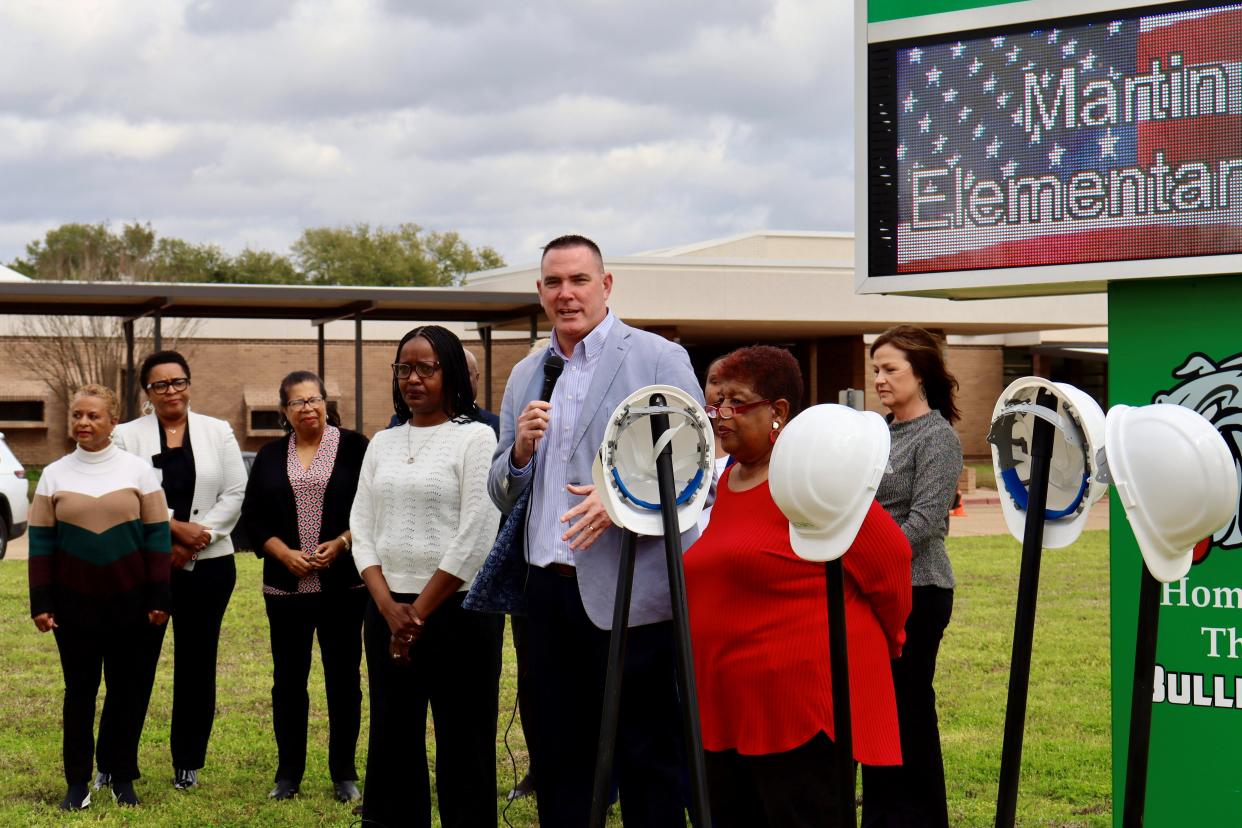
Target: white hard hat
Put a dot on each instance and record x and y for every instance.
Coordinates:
(1176, 480)
(624, 471)
(824, 471)
(1073, 485)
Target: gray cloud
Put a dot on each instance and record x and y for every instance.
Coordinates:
(644, 123)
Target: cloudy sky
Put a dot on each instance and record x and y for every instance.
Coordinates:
(645, 123)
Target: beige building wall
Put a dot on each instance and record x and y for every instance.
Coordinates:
(980, 376)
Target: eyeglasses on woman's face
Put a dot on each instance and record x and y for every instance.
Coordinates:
(426, 370)
(168, 386)
(305, 402)
(728, 412)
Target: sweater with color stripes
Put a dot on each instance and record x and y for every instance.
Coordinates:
(99, 539)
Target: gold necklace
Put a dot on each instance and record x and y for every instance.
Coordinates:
(409, 440)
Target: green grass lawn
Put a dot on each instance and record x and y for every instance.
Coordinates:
(33, 473)
(1066, 762)
(985, 476)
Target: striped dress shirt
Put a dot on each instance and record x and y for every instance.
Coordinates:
(549, 498)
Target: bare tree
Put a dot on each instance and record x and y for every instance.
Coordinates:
(67, 352)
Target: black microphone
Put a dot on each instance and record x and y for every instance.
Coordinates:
(552, 368)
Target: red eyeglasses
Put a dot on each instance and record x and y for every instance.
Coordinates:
(728, 412)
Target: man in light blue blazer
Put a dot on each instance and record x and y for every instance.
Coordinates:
(546, 449)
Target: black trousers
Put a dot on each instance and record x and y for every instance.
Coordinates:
(776, 790)
(121, 654)
(455, 667)
(568, 663)
(913, 795)
(199, 599)
(294, 621)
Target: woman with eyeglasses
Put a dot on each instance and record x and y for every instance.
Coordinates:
(422, 524)
(204, 480)
(296, 513)
(759, 622)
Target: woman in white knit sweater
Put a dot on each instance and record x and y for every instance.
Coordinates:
(422, 524)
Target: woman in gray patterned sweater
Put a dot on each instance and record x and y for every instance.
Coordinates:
(918, 490)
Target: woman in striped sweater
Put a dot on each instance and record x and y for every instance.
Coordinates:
(99, 563)
(759, 622)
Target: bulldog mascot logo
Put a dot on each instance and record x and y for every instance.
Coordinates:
(1215, 391)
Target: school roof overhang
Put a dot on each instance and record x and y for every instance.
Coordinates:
(316, 304)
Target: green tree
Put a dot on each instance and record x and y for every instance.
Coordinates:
(455, 259)
(405, 255)
(356, 255)
(73, 252)
(261, 267)
(177, 260)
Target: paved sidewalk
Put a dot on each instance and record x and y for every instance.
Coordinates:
(18, 549)
(983, 515)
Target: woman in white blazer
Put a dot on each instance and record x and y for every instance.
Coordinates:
(204, 482)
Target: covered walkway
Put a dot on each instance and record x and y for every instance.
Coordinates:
(318, 305)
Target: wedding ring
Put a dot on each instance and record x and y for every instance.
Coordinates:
(590, 527)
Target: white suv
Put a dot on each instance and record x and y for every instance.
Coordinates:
(13, 502)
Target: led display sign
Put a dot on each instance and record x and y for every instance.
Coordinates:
(1107, 138)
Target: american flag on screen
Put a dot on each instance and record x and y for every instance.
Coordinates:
(1121, 139)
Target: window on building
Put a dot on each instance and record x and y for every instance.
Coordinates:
(263, 411)
(21, 410)
(24, 404)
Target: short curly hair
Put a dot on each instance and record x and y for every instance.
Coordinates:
(772, 372)
(102, 392)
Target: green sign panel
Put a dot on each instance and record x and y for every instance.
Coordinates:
(1179, 341)
(878, 10)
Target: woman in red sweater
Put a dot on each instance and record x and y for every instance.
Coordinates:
(759, 622)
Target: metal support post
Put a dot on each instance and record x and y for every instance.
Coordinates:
(612, 682)
(1024, 616)
(700, 813)
(834, 575)
(1140, 701)
(321, 353)
(130, 393)
(357, 373)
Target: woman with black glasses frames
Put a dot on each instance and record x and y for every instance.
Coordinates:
(204, 480)
(296, 514)
(422, 524)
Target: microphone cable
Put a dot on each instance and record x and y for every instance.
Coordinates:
(504, 812)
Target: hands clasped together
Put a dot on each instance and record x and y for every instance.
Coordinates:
(406, 626)
(302, 564)
(189, 538)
